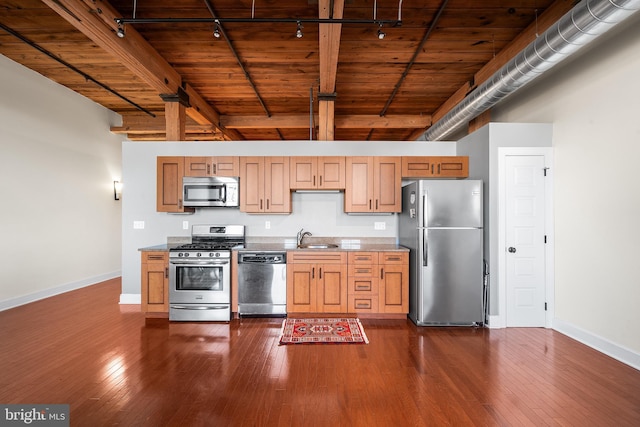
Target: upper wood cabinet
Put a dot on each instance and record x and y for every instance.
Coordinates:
(170, 171)
(373, 184)
(435, 167)
(264, 185)
(317, 173)
(212, 166)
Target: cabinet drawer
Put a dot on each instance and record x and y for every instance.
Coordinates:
(363, 304)
(394, 257)
(363, 258)
(356, 270)
(160, 257)
(361, 286)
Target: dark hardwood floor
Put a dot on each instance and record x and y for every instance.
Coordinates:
(114, 368)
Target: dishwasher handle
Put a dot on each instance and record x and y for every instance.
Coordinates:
(262, 258)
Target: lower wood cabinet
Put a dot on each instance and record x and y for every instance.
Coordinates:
(364, 283)
(155, 283)
(316, 282)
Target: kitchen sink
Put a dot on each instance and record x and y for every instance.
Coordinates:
(318, 246)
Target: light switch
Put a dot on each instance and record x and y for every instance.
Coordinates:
(138, 225)
(267, 225)
(185, 225)
(379, 225)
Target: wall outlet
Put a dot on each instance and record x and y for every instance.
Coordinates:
(138, 225)
(267, 225)
(379, 225)
(185, 225)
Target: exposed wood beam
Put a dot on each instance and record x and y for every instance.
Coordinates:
(549, 17)
(174, 113)
(344, 122)
(329, 50)
(95, 19)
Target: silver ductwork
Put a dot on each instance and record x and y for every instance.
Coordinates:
(581, 25)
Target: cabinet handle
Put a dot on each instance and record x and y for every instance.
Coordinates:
(438, 169)
(320, 180)
(179, 203)
(369, 204)
(166, 272)
(363, 305)
(393, 258)
(267, 204)
(376, 204)
(156, 257)
(215, 169)
(314, 180)
(260, 204)
(313, 272)
(382, 273)
(208, 169)
(363, 287)
(320, 273)
(362, 270)
(431, 168)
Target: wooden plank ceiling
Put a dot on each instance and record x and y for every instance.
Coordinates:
(261, 82)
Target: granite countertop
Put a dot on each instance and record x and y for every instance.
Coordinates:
(275, 244)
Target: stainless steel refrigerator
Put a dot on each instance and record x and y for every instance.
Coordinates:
(441, 223)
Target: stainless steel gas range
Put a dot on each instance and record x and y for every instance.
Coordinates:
(200, 274)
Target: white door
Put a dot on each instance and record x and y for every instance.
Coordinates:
(525, 240)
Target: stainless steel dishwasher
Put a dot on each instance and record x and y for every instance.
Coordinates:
(262, 283)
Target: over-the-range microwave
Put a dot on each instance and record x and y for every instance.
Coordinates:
(210, 191)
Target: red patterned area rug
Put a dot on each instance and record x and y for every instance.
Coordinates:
(323, 331)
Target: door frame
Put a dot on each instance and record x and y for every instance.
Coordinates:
(547, 152)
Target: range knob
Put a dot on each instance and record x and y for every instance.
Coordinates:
(211, 254)
(186, 254)
(199, 255)
(180, 254)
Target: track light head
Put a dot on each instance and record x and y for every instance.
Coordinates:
(216, 32)
(299, 30)
(120, 32)
(381, 34)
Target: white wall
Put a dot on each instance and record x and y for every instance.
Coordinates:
(320, 213)
(593, 102)
(59, 223)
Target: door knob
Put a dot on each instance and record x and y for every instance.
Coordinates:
(512, 249)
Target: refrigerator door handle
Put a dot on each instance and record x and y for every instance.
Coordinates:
(425, 247)
(425, 217)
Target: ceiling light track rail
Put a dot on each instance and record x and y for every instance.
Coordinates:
(73, 68)
(378, 22)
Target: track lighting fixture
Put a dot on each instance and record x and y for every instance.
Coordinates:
(381, 34)
(120, 32)
(216, 32)
(299, 30)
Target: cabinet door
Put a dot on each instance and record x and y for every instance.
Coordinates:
(331, 173)
(332, 288)
(276, 185)
(198, 166)
(418, 166)
(453, 167)
(358, 194)
(225, 166)
(393, 290)
(387, 184)
(301, 288)
(303, 173)
(170, 171)
(155, 283)
(252, 184)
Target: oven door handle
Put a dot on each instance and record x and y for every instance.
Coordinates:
(200, 307)
(191, 263)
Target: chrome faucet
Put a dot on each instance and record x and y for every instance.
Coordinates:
(301, 235)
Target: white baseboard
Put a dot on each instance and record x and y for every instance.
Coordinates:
(130, 298)
(603, 345)
(46, 293)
